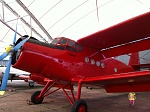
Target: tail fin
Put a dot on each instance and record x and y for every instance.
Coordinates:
(134, 59)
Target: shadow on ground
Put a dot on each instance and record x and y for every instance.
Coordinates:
(97, 99)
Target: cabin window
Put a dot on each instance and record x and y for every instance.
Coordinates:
(74, 46)
(71, 46)
(97, 63)
(92, 61)
(71, 43)
(63, 41)
(78, 47)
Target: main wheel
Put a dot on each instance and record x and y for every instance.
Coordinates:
(79, 106)
(35, 98)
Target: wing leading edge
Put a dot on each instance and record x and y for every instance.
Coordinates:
(123, 34)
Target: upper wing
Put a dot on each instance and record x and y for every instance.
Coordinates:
(121, 34)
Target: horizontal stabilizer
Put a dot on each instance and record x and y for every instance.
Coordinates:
(141, 66)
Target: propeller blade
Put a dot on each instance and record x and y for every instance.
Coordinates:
(5, 77)
(15, 33)
(5, 54)
(17, 47)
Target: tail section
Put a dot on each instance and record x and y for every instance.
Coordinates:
(134, 59)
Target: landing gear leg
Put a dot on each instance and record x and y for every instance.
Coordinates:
(38, 96)
(80, 105)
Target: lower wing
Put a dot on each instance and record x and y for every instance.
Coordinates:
(138, 81)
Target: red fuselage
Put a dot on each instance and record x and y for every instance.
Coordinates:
(57, 61)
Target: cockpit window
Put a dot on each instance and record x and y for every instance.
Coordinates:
(74, 46)
(63, 41)
(55, 40)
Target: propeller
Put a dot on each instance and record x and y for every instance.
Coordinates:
(9, 51)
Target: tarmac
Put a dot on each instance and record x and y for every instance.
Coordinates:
(18, 95)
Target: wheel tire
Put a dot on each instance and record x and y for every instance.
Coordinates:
(31, 84)
(79, 106)
(35, 99)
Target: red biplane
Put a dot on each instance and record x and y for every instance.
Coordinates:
(91, 60)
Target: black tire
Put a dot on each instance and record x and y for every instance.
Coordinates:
(78, 105)
(35, 99)
(31, 84)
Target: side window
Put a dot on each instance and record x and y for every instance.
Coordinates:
(71, 43)
(78, 47)
(71, 46)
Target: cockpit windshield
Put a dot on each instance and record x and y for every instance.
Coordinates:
(55, 40)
